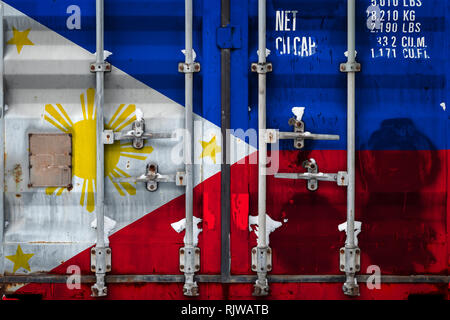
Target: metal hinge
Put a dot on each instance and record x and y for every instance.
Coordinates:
(229, 37)
(261, 259)
(189, 259)
(189, 68)
(100, 67)
(262, 67)
(100, 264)
(350, 67)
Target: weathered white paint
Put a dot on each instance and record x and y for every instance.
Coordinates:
(181, 225)
(298, 112)
(194, 54)
(109, 225)
(271, 225)
(358, 224)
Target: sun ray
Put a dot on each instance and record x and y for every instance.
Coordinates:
(90, 103)
(63, 111)
(116, 185)
(114, 116)
(55, 124)
(123, 117)
(51, 190)
(57, 116)
(90, 196)
(126, 124)
(83, 106)
(117, 173)
(83, 192)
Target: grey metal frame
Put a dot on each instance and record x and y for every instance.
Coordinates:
(2, 143)
(154, 278)
(225, 212)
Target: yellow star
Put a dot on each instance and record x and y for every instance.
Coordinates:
(20, 39)
(210, 149)
(20, 259)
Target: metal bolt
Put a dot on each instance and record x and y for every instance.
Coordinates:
(342, 267)
(254, 67)
(357, 267)
(104, 290)
(182, 251)
(253, 250)
(269, 67)
(108, 267)
(197, 67)
(92, 267)
(181, 68)
(93, 251)
(92, 67)
(197, 250)
(357, 251)
(253, 266)
(181, 267)
(197, 266)
(269, 266)
(342, 251)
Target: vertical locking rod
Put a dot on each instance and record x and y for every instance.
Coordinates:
(350, 286)
(99, 289)
(261, 285)
(190, 286)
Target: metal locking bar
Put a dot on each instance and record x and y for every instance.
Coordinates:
(137, 134)
(314, 176)
(299, 135)
(151, 178)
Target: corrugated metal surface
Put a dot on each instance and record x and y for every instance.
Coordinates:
(402, 143)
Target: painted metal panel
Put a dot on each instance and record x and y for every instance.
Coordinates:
(402, 142)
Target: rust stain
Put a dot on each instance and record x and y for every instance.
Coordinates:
(17, 172)
(18, 195)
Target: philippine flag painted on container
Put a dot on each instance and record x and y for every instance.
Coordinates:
(402, 146)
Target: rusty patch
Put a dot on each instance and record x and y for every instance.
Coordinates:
(18, 196)
(17, 173)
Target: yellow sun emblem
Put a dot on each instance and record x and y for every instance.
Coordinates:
(84, 146)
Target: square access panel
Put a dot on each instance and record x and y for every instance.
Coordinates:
(50, 158)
